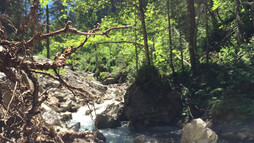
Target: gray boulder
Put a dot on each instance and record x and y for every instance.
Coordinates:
(111, 117)
(151, 105)
(198, 132)
(108, 81)
(50, 116)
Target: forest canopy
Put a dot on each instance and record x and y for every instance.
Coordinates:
(204, 48)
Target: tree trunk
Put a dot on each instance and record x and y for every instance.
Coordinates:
(135, 32)
(142, 19)
(191, 34)
(47, 12)
(252, 9)
(152, 58)
(238, 24)
(206, 31)
(181, 49)
(170, 40)
(198, 15)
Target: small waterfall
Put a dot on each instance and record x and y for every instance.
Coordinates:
(117, 135)
(120, 134)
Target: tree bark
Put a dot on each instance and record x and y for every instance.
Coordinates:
(142, 19)
(252, 9)
(135, 32)
(47, 12)
(191, 34)
(238, 24)
(170, 40)
(206, 30)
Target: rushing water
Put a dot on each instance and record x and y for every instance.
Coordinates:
(117, 135)
(120, 134)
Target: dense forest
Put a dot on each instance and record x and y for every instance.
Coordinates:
(201, 49)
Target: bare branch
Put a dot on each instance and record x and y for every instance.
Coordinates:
(69, 29)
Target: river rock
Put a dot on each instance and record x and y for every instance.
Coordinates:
(88, 112)
(60, 96)
(151, 105)
(98, 86)
(241, 136)
(140, 139)
(100, 101)
(74, 107)
(55, 83)
(53, 101)
(75, 127)
(108, 81)
(119, 98)
(2, 76)
(50, 116)
(198, 132)
(99, 135)
(147, 139)
(229, 135)
(110, 118)
(66, 116)
(65, 106)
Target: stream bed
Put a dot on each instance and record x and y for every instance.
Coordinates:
(121, 134)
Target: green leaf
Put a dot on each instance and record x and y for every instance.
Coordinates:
(216, 90)
(216, 4)
(44, 2)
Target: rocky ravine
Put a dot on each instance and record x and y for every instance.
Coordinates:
(61, 103)
(57, 110)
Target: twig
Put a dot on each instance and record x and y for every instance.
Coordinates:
(13, 95)
(183, 60)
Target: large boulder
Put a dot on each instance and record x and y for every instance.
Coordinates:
(151, 104)
(198, 132)
(111, 117)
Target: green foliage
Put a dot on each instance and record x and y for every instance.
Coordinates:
(148, 76)
(216, 4)
(225, 79)
(103, 75)
(146, 73)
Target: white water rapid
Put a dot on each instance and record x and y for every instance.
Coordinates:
(120, 134)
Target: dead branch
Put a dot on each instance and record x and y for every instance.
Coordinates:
(69, 29)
